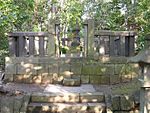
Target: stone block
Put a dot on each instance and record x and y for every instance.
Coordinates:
(56, 79)
(37, 109)
(126, 103)
(64, 68)
(69, 108)
(135, 111)
(53, 69)
(48, 60)
(118, 68)
(85, 79)
(54, 98)
(135, 70)
(18, 60)
(10, 69)
(26, 68)
(18, 101)
(109, 111)
(98, 69)
(7, 104)
(126, 78)
(95, 79)
(43, 68)
(37, 79)
(105, 79)
(114, 79)
(27, 78)
(9, 60)
(87, 69)
(76, 68)
(46, 97)
(71, 97)
(116, 103)
(97, 108)
(66, 74)
(9, 78)
(47, 78)
(19, 78)
(71, 82)
(92, 97)
(26, 99)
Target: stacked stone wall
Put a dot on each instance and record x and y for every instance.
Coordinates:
(52, 70)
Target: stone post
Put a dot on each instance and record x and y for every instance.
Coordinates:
(90, 40)
(51, 39)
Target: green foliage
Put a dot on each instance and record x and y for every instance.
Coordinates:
(37, 15)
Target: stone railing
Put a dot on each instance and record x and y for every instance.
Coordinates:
(95, 42)
(28, 44)
(114, 43)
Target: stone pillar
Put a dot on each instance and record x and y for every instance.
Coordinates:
(90, 40)
(51, 39)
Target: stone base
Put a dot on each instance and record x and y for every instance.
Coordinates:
(71, 82)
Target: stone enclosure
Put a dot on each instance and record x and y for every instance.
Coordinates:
(36, 58)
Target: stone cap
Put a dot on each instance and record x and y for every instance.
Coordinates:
(142, 57)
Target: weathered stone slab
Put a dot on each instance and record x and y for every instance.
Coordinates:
(71, 82)
(26, 99)
(135, 70)
(118, 60)
(97, 108)
(98, 69)
(10, 69)
(26, 68)
(17, 60)
(54, 97)
(64, 69)
(57, 107)
(7, 104)
(95, 79)
(28, 78)
(38, 108)
(46, 97)
(92, 97)
(53, 69)
(85, 79)
(18, 78)
(18, 101)
(47, 78)
(9, 78)
(37, 79)
(126, 78)
(76, 68)
(116, 103)
(48, 60)
(114, 79)
(126, 103)
(105, 79)
(56, 79)
(118, 68)
(88, 69)
(43, 68)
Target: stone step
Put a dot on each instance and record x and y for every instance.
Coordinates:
(68, 97)
(71, 82)
(66, 108)
(54, 97)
